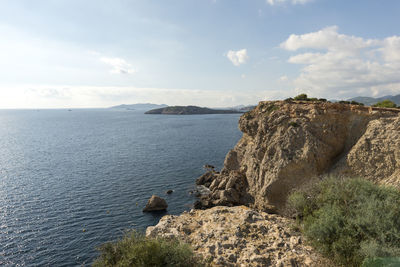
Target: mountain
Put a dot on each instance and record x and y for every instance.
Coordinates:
(242, 108)
(371, 100)
(139, 106)
(189, 110)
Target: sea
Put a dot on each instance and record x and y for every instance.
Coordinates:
(71, 180)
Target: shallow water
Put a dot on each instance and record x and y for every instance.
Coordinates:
(72, 180)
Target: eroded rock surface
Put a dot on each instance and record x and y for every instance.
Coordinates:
(239, 236)
(285, 144)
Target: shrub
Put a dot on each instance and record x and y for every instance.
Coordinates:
(137, 250)
(350, 220)
(302, 97)
(356, 103)
(385, 104)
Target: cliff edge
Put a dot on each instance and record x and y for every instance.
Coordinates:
(239, 236)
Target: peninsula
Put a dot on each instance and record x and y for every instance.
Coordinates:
(189, 110)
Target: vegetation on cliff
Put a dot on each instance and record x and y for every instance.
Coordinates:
(385, 104)
(349, 220)
(137, 250)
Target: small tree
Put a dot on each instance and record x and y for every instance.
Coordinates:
(385, 104)
(301, 97)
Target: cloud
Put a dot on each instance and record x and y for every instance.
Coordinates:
(284, 78)
(238, 57)
(339, 65)
(119, 65)
(293, 2)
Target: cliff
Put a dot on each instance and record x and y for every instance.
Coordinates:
(285, 144)
(189, 110)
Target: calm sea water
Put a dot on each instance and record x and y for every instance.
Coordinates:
(72, 180)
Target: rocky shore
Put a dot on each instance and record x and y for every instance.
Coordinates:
(285, 145)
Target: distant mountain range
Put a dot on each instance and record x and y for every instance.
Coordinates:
(371, 100)
(139, 106)
(242, 108)
(189, 110)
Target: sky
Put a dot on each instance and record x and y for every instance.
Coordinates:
(215, 53)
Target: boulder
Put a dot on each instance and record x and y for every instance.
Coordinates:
(156, 203)
(206, 179)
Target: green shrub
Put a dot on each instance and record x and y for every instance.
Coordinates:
(137, 250)
(379, 262)
(385, 104)
(302, 97)
(349, 220)
(356, 103)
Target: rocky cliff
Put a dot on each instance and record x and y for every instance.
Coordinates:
(285, 144)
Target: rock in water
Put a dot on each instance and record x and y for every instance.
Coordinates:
(156, 203)
(169, 191)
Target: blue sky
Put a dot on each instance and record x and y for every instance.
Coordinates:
(94, 53)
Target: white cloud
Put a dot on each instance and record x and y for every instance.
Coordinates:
(339, 65)
(119, 65)
(294, 2)
(284, 78)
(238, 57)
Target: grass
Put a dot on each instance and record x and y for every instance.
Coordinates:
(352, 221)
(134, 249)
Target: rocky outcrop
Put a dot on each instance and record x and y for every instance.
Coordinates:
(285, 144)
(239, 236)
(155, 203)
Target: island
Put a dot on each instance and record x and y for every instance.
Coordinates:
(139, 106)
(190, 110)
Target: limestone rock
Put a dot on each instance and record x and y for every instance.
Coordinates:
(155, 203)
(239, 236)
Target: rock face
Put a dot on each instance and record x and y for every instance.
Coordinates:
(155, 203)
(284, 144)
(239, 236)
